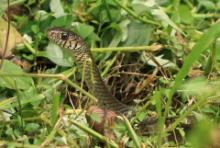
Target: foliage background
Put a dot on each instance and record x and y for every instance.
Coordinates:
(162, 57)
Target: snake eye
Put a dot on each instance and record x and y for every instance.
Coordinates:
(64, 36)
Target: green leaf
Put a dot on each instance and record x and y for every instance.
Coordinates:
(138, 34)
(142, 6)
(14, 82)
(58, 56)
(207, 4)
(84, 30)
(3, 6)
(31, 127)
(201, 87)
(185, 14)
(152, 7)
(27, 96)
(56, 8)
(218, 49)
(63, 21)
(117, 37)
(197, 137)
(161, 15)
(55, 107)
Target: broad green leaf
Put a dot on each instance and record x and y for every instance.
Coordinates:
(124, 27)
(84, 30)
(141, 6)
(14, 82)
(152, 7)
(207, 4)
(3, 6)
(218, 5)
(105, 17)
(59, 56)
(185, 14)
(63, 21)
(161, 15)
(27, 96)
(32, 127)
(56, 8)
(138, 34)
(105, 11)
(117, 37)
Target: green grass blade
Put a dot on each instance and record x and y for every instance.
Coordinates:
(55, 107)
(205, 41)
(132, 133)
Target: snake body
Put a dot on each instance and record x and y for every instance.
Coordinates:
(85, 62)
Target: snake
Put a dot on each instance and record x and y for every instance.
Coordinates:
(82, 56)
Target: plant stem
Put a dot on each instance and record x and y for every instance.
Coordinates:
(17, 2)
(132, 13)
(31, 49)
(16, 144)
(128, 49)
(50, 137)
(58, 76)
(132, 132)
(109, 65)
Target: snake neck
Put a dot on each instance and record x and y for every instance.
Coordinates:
(96, 84)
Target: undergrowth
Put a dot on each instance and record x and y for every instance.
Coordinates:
(160, 57)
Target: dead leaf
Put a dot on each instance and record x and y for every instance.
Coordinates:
(215, 137)
(195, 73)
(25, 65)
(180, 38)
(144, 84)
(14, 38)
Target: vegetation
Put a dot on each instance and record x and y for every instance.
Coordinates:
(160, 56)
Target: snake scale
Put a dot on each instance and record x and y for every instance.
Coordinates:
(85, 62)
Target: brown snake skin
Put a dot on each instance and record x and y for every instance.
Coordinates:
(82, 56)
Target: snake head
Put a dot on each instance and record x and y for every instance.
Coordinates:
(65, 38)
